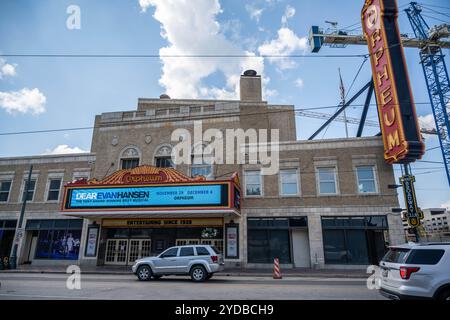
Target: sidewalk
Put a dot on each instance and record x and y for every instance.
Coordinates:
(232, 272)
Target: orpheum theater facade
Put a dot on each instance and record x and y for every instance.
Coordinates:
(327, 206)
(146, 209)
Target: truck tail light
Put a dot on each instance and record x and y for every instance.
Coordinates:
(214, 259)
(405, 272)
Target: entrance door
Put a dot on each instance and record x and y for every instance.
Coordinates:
(139, 248)
(377, 245)
(116, 251)
(32, 251)
(300, 248)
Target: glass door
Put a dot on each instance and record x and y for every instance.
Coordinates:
(116, 251)
(139, 248)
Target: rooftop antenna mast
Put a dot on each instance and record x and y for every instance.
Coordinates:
(342, 90)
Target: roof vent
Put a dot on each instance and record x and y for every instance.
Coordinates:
(164, 96)
(250, 73)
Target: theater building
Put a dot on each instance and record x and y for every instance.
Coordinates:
(328, 206)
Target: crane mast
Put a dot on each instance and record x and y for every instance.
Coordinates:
(436, 76)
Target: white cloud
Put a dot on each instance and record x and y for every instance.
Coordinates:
(7, 69)
(446, 205)
(64, 149)
(23, 101)
(427, 122)
(254, 12)
(299, 83)
(287, 43)
(191, 28)
(145, 4)
(288, 14)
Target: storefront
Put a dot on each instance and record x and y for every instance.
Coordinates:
(142, 211)
(285, 238)
(357, 240)
(52, 239)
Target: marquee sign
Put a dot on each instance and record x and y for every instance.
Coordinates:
(147, 188)
(413, 213)
(396, 110)
(147, 196)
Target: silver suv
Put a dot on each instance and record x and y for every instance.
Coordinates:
(416, 271)
(198, 261)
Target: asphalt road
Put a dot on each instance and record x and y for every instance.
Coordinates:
(26, 286)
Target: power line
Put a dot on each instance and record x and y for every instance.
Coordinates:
(180, 56)
(180, 118)
(432, 5)
(438, 147)
(437, 12)
(435, 18)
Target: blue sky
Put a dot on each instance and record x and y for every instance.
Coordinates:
(72, 91)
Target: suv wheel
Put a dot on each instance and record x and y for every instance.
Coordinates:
(445, 296)
(144, 273)
(198, 273)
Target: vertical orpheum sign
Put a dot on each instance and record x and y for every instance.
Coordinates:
(396, 110)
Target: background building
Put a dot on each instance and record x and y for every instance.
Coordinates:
(329, 206)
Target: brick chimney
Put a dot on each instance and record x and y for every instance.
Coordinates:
(251, 86)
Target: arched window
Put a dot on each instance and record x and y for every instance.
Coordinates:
(163, 157)
(129, 158)
(199, 164)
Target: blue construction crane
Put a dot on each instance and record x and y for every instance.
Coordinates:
(436, 75)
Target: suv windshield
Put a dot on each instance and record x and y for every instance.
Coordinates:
(396, 255)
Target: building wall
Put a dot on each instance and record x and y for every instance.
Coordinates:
(16, 169)
(150, 127)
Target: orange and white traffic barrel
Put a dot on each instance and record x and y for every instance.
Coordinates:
(276, 269)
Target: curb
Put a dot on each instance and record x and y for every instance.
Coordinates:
(225, 274)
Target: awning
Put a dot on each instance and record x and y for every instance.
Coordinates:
(155, 214)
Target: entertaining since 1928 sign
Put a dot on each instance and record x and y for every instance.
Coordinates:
(147, 196)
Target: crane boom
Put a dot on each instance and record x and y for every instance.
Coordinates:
(340, 39)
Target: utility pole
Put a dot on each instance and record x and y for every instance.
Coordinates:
(18, 235)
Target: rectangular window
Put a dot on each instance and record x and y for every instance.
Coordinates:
(289, 182)
(354, 240)
(327, 180)
(164, 162)
(58, 244)
(129, 163)
(29, 194)
(186, 251)
(253, 183)
(53, 190)
(204, 170)
(425, 256)
(366, 179)
(5, 188)
(265, 245)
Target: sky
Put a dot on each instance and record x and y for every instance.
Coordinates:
(50, 93)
